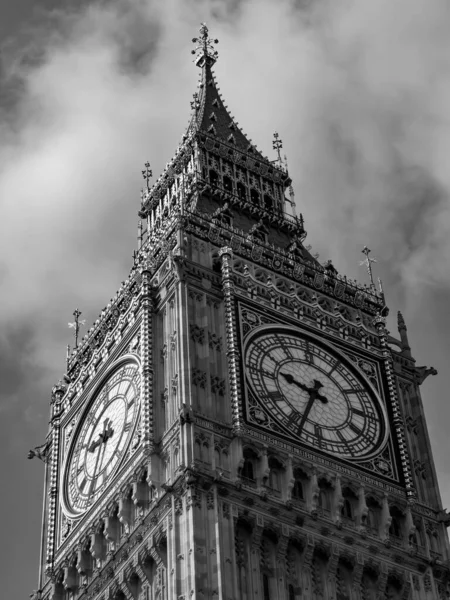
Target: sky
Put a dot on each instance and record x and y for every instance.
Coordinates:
(358, 92)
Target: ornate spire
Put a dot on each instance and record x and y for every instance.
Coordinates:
(277, 144)
(205, 51)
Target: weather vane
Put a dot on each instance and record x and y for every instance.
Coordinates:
(76, 324)
(146, 174)
(205, 48)
(277, 144)
(368, 262)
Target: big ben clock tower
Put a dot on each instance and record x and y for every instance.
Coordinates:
(238, 424)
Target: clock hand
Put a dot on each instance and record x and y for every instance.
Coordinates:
(290, 379)
(95, 471)
(314, 394)
(314, 390)
(101, 441)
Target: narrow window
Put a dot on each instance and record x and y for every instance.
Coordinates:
(266, 591)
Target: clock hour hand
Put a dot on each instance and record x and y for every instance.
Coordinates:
(290, 379)
(312, 391)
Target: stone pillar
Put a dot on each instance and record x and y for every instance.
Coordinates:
(233, 354)
(386, 519)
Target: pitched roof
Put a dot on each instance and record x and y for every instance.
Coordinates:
(210, 113)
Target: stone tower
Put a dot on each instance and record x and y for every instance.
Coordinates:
(238, 424)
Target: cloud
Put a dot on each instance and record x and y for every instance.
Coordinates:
(359, 92)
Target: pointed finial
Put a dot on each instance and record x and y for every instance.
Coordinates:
(277, 144)
(368, 262)
(195, 104)
(140, 236)
(401, 325)
(206, 54)
(76, 325)
(147, 174)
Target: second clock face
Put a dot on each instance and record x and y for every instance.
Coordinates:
(101, 442)
(312, 393)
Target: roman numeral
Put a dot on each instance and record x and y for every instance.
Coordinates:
(361, 413)
(118, 452)
(334, 367)
(318, 434)
(355, 428)
(353, 391)
(127, 427)
(83, 484)
(294, 418)
(285, 347)
(276, 397)
(130, 403)
(309, 355)
(344, 441)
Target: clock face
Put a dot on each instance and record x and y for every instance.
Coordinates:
(313, 394)
(102, 438)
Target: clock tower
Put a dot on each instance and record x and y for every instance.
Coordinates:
(238, 424)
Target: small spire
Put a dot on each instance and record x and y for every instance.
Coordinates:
(68, 356)
(406, 348)
(76, 325)
(368, 262)
(206, 54)
(277, 144)
(147, 174)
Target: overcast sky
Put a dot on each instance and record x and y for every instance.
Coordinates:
(359, 92)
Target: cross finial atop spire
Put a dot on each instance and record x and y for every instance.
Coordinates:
(147, 174)
(206, 54)
(368, 262)
(76, 324)
(277, 144)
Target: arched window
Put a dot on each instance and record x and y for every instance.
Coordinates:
(395, 528)
(227, 184)
(373, 515)
(213, 178)
(268, 202)
(254, 196)
(248, 469)
(350, 503)
(217, 457)
(347, 510)
(241, 191)
(324, 499)
(297, 490)
(225, 462)
(300, 479)
(275, 474)
(266, 590)
(216, 264)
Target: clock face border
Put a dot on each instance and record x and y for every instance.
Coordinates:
(335, 351)
(92, 397)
